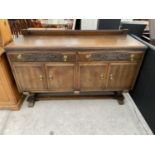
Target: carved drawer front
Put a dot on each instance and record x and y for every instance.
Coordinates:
(60, 76)
(92, 76)
(43, 57)
(30, 76)
(109, 56)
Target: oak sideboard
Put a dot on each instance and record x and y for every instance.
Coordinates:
(75, 63)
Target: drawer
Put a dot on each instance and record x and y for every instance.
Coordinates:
(109, 56)
(42, 57)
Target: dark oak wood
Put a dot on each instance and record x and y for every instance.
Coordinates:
(76, 40)
(72, 32)
(60, 76)
(75, 62)
(30, 76)
(92, 76)
(110, 55)
(121, 75)
(44, 57)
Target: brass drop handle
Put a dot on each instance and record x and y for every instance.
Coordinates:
(50, 77)
(132, 57)
(19, 56)
(111, 77)
(102, 77)
(65, 57)
(40, 77)
(88, 56)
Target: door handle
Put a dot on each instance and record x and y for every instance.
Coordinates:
(132, 56)
(102, 77)
(40, 77)
(88, 56)
(65, 57)
(111, 77)
(19, 56)
(50, 77)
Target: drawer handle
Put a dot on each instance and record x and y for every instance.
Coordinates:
(88, 56)
(65, 57)
(40, 77)
(132, 57)
(51, 77)
(111, 77)
(19, 56)
(102, 77)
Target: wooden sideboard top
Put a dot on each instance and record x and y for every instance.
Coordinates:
(75, 40)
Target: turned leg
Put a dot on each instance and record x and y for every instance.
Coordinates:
(31, 99)
(120, 98)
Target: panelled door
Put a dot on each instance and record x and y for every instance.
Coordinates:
(3, 94)
(92, 76)
(30, 76)
(121, 76)
(60, 76)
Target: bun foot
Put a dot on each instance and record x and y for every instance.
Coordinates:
(31, 100)
(120, 98)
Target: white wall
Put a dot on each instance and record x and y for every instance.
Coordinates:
(89, 24)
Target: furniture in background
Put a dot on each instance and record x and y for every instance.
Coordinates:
(108, 24)
(10, 98)
(75, 63)
(54, 23)
(142, 21)
(17, 25)
(144, 34)
(134, 28)
(68, 24)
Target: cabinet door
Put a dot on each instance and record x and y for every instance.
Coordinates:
(3, 94)
(60, 76)
(92, 76)
(30, 76)
(121, 76)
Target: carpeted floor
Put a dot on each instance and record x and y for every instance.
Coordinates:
(86, 117)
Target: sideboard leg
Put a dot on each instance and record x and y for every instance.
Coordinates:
(31, 100)
(120, 98)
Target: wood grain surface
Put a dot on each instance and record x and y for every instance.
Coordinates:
(78, 41)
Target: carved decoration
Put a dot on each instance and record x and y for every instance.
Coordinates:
(39, 57)
(110, 56)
